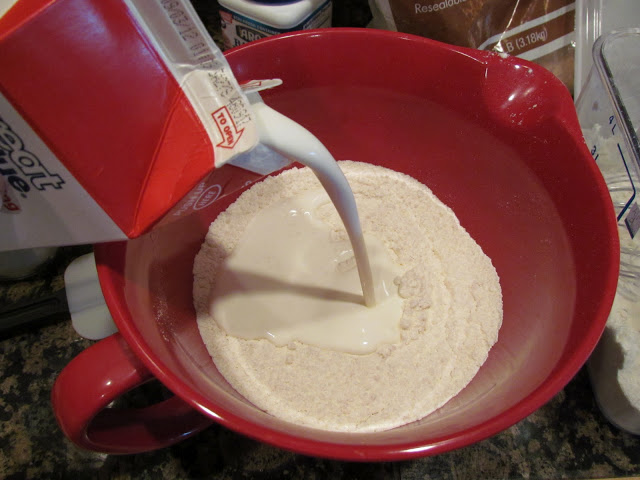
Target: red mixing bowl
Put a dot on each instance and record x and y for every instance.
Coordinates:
(497, 139)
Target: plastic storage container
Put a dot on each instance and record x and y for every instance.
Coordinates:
(247, 20)
(609, 113)
(593, 19)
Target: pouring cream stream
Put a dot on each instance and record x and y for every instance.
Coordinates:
(290, 139)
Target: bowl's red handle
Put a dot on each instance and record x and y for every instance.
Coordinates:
(98, 376)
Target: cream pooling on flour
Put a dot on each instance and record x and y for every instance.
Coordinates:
(451, 311)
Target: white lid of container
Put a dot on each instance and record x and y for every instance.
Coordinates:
(282, 15)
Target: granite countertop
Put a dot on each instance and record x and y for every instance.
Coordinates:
(567, 438)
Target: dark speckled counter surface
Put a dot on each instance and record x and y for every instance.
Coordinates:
(567, 438)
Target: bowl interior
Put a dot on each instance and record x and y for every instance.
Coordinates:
(495, 139)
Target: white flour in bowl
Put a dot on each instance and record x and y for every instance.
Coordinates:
(452, 311)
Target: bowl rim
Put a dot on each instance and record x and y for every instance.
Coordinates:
(110, 259)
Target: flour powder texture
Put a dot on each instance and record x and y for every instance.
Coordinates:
(452, 311)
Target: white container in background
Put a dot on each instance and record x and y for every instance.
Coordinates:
(246, 20)
(22, 263)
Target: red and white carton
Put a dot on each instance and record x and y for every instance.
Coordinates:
(114, 115)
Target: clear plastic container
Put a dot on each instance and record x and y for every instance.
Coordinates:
(609, 113)
(593, 19)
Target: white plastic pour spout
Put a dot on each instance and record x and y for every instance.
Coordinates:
(295, 142)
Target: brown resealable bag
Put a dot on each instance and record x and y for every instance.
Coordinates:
(538, 30)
